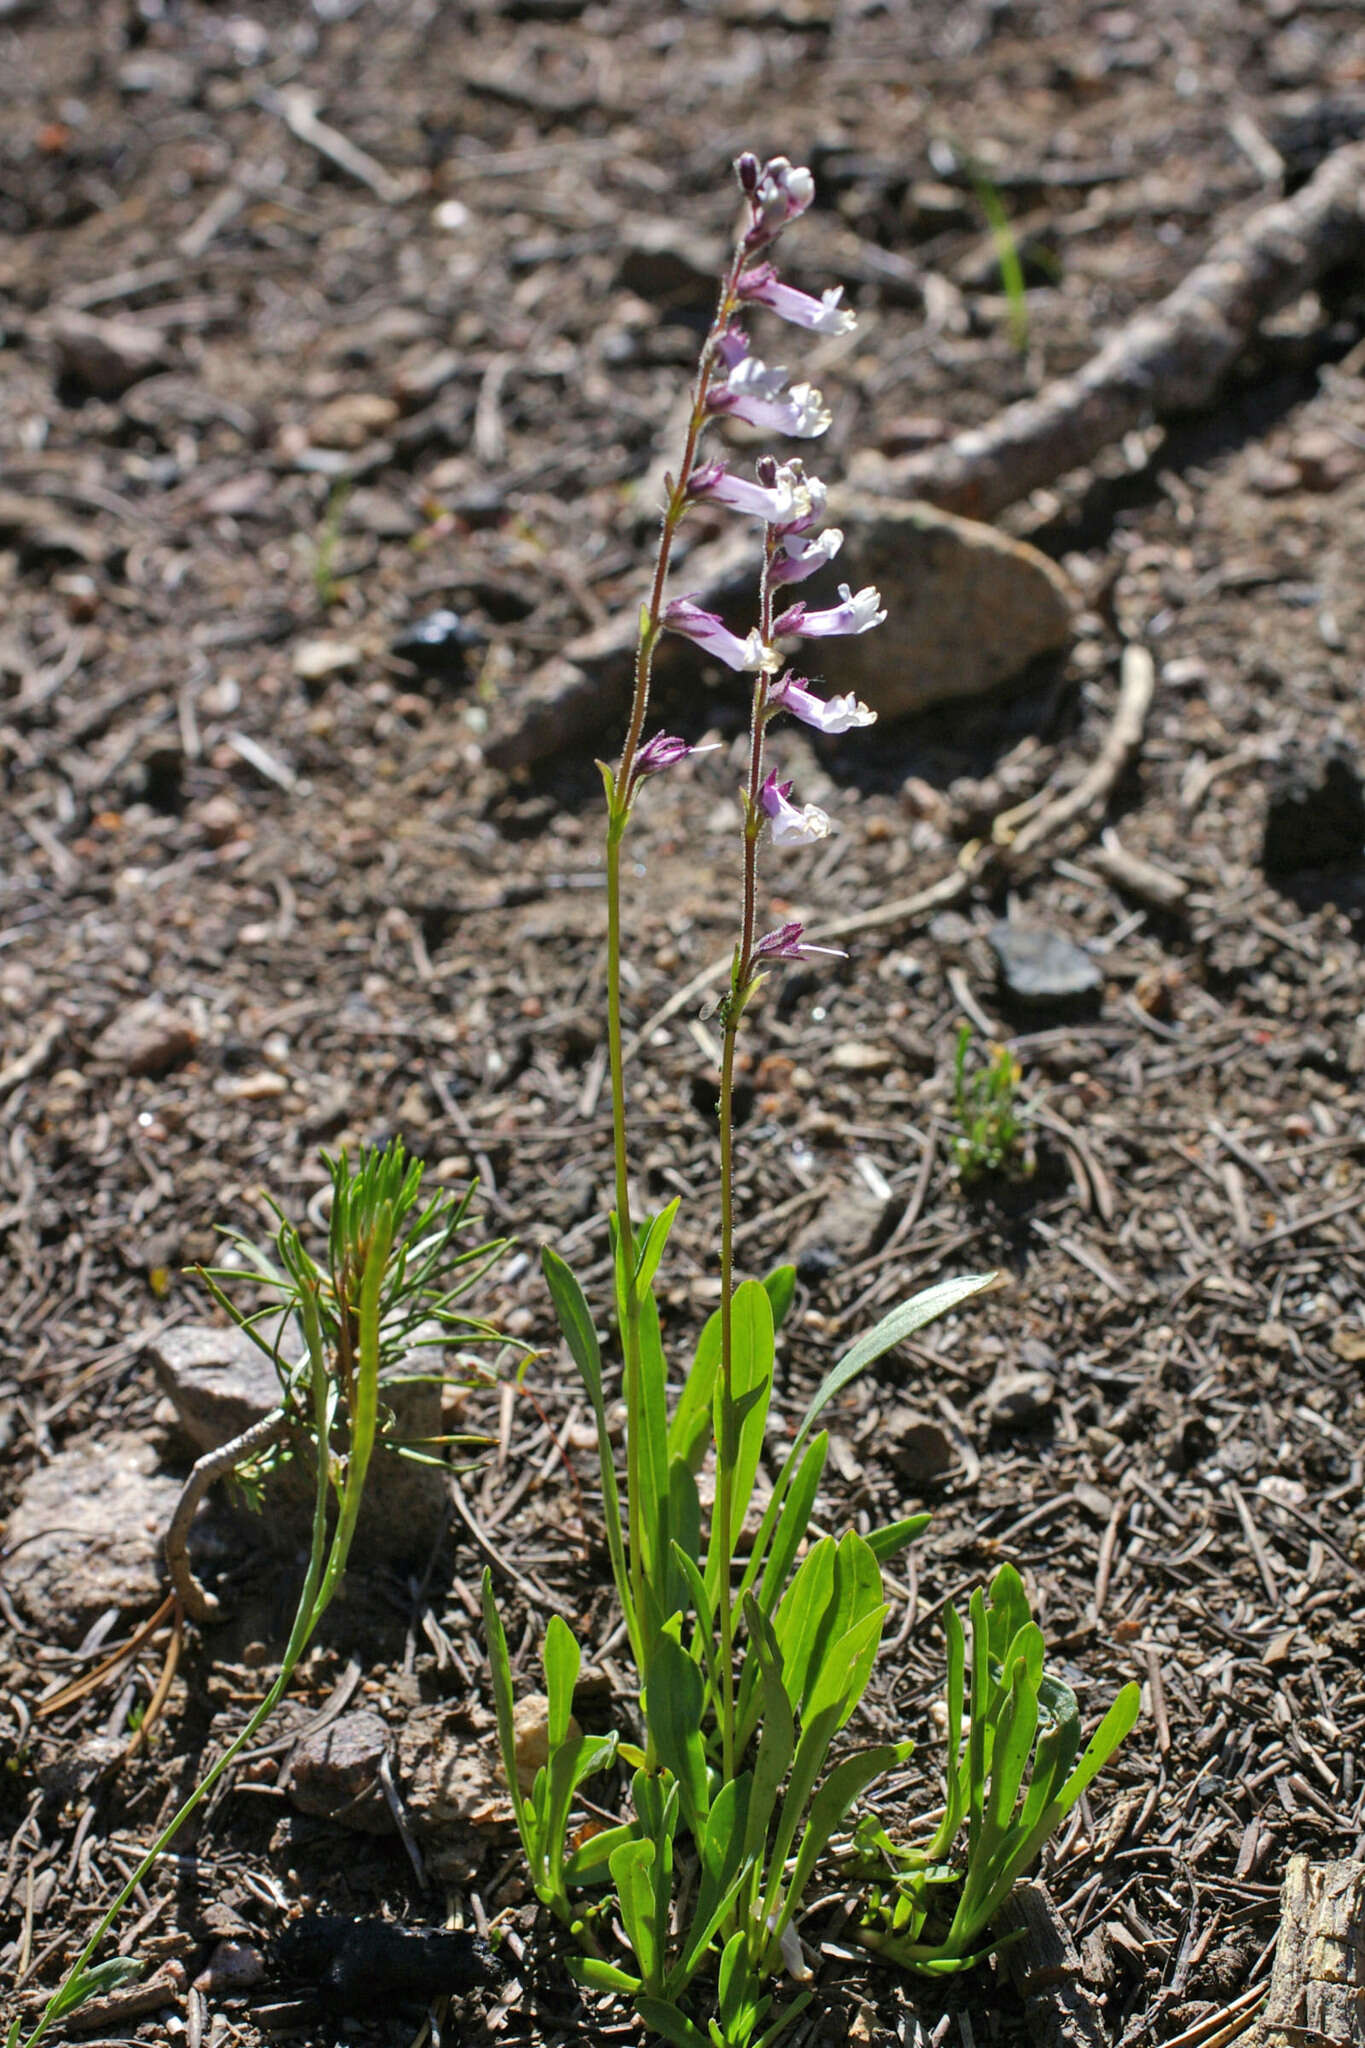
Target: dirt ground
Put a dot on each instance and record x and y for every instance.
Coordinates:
(434, 376)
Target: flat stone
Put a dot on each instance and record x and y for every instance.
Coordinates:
(664, 262)
(86, 1535)
(104, 357)
(348, 422)
(849, 1226)
(220, 1383)
(335, 1773)
(1315, 813)
(1018, 1394)
(149, 1037)
(921, 1448)
(1041, 967)
(315, 660)
(968, 608)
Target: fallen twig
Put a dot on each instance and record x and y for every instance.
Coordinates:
(1170, 359)
(1046, 1970)
(1137, 681)
(198, 1603)
(298, 110)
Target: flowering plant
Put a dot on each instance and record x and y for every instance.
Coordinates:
(748, 1672)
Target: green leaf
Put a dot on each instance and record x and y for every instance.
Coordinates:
(96, 1981)
(690, 1429)
(845, 1783)
(777, 1726)
(575, 1321)
(684, 1530)
(582, 1756)
(724, 1869)
(792, 1523)
(673, 1713)
(668, 2020)
(562, 1660)
(737, 1992)
(650, 1246)
(780, 1286)
(739, 1433)
(632, 1868)
(500, 1668)
(893, 1329)
(896, 1536)
(595, 1975)
(588, 1863)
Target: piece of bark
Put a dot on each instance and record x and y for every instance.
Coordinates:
(1171, 359)
(1317, 1986)
(1046, 1970)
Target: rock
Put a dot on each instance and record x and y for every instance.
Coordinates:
(39, 529)
(1324, 459)
(848, 1227)
(157, 71)
(421, 374)
(86, 1535)
(103, 357)
(316, 660)
(921, 1449)
(665, 263)
(450, 1780)
(381, 513)
(1315, 813)
(219, 1383)
(1041, 968)
(531, 1737)
(1018, 1394)
(856, 1056)
(335, 1773)
(967, 607)
(149, 1037)
(438, 643)
(348, 422)
(220, 820)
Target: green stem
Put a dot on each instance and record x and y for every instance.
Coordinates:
(741, 979)
(621, 795)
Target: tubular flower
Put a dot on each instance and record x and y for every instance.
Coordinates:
(665, 750)
(759, 395)
(684, 615)
(799, 558)
(833, 714)
(762, 286)
(855, 614)
(784, 496)
(777, 192)
(787, 943)
(792, 825)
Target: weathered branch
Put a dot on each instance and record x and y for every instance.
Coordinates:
(199, 1604)
(1169, 360)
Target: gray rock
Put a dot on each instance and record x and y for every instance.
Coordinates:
(220, 1383)
(104, 356)
(1041, 967)
(921, 1448)
(86, 1535)
(335, 1773)
(1018, 1394)
(149, 1037)
(968, 608)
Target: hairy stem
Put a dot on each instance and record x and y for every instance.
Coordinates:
(741, 978)
(622, 791)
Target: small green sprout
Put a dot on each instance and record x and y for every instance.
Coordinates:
(990, 1137)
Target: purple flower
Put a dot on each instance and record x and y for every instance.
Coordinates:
(777, 192)
(786, 943)
(761, 286)
(665, 750)
(684, 615)
(732, 346)
(798, 558)
(784, 497)
(833, 714)
(759, 395)
(856, 614)
(792, 826)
